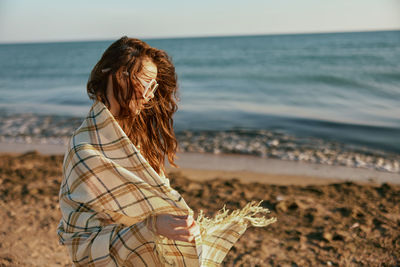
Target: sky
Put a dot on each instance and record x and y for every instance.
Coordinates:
(50, 20)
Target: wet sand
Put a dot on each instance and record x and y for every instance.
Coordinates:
(322, 219)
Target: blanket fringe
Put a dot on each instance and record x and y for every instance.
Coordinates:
(242, 216)
(245, 216)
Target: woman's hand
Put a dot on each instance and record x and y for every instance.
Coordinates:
(182, 228)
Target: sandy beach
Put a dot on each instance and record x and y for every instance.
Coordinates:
(326, 215)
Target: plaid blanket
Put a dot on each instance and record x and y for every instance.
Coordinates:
(109, 193)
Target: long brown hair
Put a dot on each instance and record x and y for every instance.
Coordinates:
(152, 128)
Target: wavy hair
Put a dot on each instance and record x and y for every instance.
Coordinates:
(152, 128)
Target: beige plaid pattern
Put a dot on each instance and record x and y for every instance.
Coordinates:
(109, 192)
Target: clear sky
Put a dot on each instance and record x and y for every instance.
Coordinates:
(55, 20)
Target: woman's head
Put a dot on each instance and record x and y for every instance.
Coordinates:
(119, 79)
(142, 91)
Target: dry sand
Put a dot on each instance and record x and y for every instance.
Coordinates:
(322, 219)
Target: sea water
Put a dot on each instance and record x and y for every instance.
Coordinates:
(331, 98)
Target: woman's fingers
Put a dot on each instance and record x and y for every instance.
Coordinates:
(183, 228)
(182, 231)
(193, 230)
(182, 222)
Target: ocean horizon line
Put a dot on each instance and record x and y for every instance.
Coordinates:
(320, 97)
(110, 39)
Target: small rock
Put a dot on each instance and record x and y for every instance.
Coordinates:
(327, 236)
(281, 206)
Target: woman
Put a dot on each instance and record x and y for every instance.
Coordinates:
(117, 206)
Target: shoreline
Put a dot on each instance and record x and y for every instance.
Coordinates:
(269, 168)
(206, 166)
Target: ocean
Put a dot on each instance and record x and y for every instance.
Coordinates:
(329, 98)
